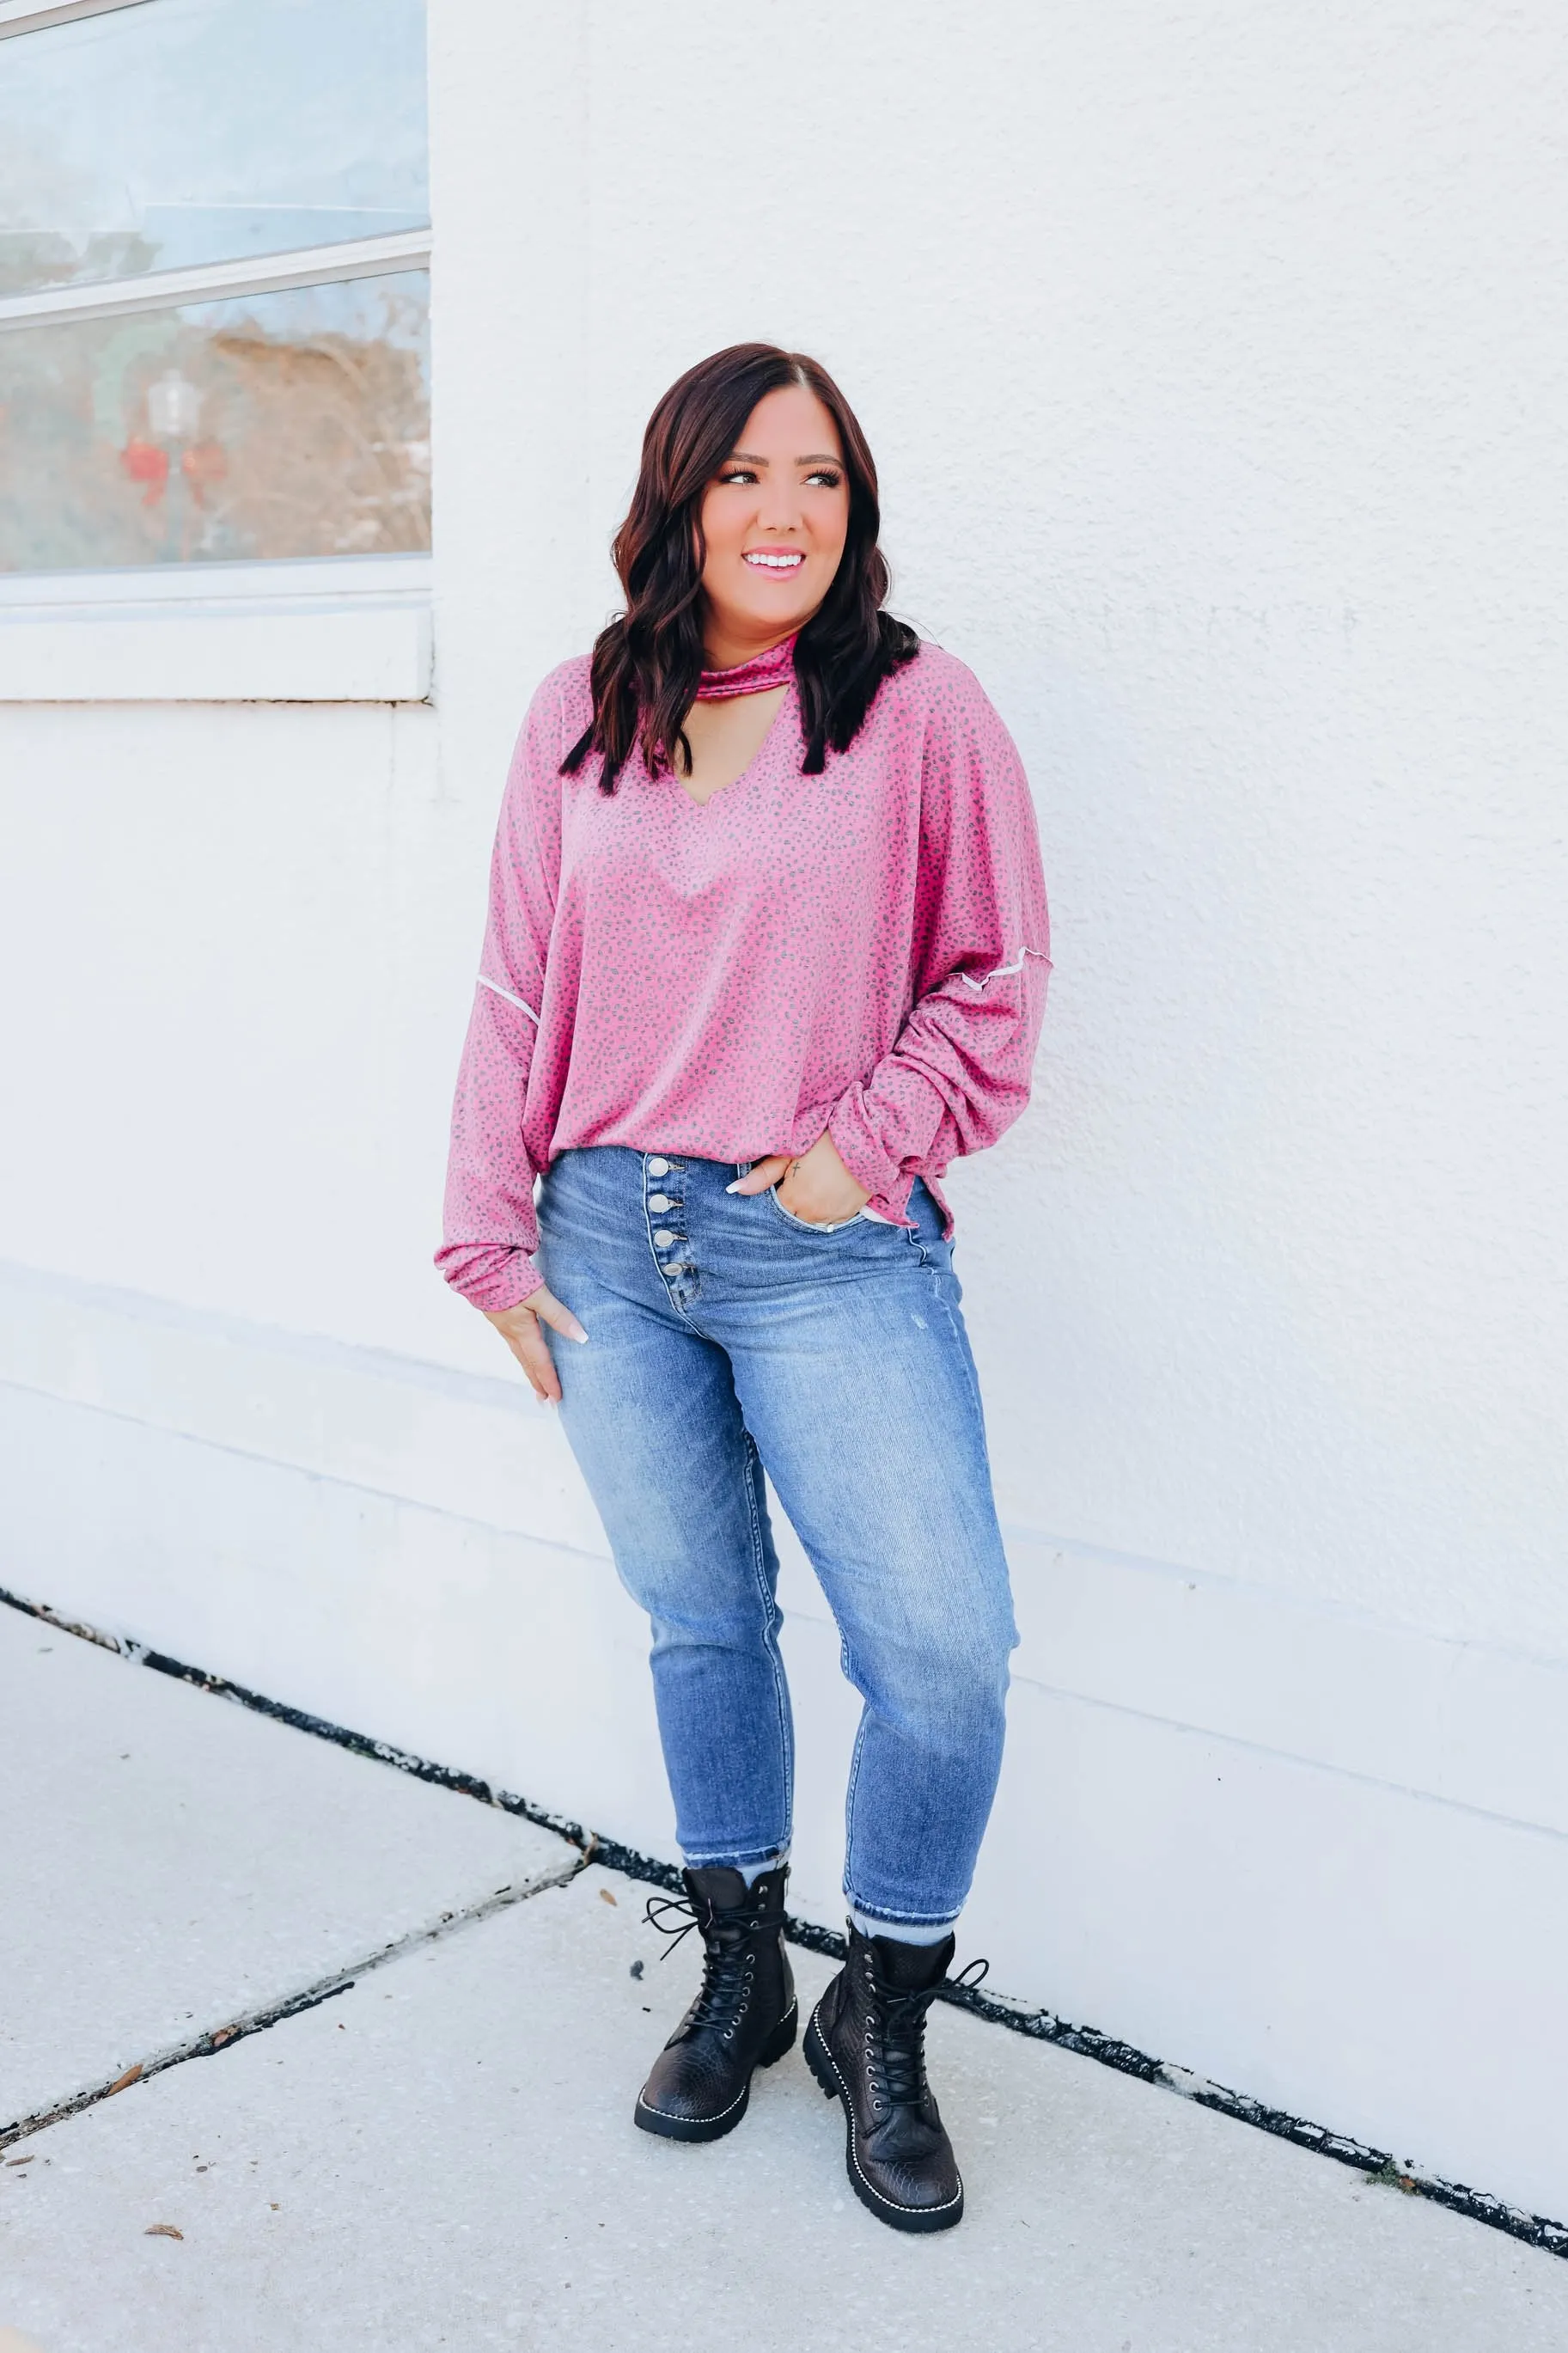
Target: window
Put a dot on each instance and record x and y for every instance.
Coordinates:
(214, 301)
(272, 424)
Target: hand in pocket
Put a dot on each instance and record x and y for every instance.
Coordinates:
(815, 1187)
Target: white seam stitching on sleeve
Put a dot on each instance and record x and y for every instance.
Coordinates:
(999, 972)
(497, 990)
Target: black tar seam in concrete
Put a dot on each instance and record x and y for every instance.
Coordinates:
(1040, 2025)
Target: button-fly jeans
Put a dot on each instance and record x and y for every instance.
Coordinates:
(727, 1338)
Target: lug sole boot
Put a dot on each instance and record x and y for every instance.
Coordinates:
(744, 2016)
(865, 2046)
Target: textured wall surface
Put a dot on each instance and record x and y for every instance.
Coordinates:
(1214, 366)
(1214, 359)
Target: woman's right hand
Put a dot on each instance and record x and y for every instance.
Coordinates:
(519, 1327)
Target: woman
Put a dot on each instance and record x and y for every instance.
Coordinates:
(767, 950)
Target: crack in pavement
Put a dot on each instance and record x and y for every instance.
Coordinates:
(325, 1988)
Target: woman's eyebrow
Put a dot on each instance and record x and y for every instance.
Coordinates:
(750, 457)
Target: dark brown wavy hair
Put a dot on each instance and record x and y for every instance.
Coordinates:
(648, 661)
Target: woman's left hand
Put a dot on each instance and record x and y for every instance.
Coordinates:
(816, 1187)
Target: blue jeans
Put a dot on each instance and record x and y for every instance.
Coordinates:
(726, 1338)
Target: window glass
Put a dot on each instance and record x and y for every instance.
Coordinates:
(185, 131)
(277, 425)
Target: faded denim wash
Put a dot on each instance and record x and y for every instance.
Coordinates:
(726, 1338)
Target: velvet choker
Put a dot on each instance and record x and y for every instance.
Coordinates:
(754, 677)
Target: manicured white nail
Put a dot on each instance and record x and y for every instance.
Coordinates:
(736, 1186)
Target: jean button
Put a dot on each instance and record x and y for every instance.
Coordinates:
(662, 1238)
(658, 1167)
(657, 1201)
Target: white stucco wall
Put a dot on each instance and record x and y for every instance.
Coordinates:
(1213, 360)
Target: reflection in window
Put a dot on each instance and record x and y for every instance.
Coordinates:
(278, 425)
(186, 131)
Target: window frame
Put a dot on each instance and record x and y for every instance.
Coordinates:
(29, 16)
(277, 616)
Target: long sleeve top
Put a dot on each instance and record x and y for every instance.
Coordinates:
(863, 951)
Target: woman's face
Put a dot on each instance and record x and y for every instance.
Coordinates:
(774, 519)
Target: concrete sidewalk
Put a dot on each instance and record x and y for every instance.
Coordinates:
(442, 2154)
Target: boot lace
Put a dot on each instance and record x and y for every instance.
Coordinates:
(728, 1956)
(895, 2035)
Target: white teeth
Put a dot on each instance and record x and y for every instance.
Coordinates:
(776, 562)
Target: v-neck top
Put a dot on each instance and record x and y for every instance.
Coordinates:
(863, 952)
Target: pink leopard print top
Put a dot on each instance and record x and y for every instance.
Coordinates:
(864, 951)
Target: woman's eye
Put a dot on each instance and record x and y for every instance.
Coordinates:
(824, 478)
(737, 476)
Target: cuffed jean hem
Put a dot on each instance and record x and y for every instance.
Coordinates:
(894, 1924)
(744, 1858)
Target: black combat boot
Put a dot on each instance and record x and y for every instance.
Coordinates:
(745, 2015)
(865, 2046)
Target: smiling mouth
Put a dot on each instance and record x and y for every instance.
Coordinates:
(768, 559)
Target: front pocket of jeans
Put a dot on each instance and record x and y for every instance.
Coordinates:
(803, 1224)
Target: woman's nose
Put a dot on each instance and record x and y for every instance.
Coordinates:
(779, 508)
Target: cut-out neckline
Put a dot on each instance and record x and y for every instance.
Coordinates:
(701, 801)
